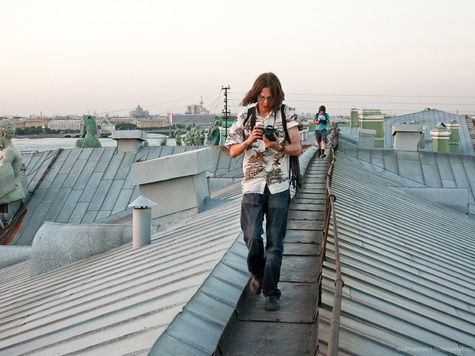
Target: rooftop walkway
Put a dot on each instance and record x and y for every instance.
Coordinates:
(292, 329)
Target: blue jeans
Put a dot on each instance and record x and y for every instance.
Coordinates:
(265, 265)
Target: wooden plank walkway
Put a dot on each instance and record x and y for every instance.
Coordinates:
(292, 329)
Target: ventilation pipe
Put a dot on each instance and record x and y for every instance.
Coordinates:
(142, 221)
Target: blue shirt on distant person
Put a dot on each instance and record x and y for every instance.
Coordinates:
(321, 125)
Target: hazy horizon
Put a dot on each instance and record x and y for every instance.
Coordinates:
(71, 57)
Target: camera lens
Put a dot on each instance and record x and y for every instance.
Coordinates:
(269, 132)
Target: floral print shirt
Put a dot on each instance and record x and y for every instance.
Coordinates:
(263, 166)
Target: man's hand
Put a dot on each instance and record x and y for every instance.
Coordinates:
(237, 149)
(273, 144)
(256, 134)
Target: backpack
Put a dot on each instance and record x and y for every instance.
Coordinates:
(294, 165)
(315, 120)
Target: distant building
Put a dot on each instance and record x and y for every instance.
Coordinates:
(19, 124)
(105, 127)
(152, 123)
(203, 121)
(122, 120)
(64, 124)
(36, 122)
(195, 109)
(139, 112)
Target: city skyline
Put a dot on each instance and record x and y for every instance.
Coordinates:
(72, 58)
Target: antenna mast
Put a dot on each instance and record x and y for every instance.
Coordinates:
(225, 111)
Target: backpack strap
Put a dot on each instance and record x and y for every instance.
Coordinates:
(251, 113)
(284, 123)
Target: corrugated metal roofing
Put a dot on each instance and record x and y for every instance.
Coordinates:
(430, 119)
(421, 169)
(118, 302)
(197, 329)
(408, 269)
(85, 185)
(121, 301)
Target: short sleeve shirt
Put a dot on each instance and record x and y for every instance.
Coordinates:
(263, 166)
(322, 126)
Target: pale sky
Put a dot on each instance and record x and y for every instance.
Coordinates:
(74, 56)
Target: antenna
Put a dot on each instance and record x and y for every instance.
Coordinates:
(225, 111)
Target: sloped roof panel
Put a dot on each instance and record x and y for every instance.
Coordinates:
(119, 301)
(421, 169)
(407, 267)
(85, 185)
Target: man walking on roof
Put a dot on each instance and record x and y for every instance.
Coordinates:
(265, 185)
(321, 119)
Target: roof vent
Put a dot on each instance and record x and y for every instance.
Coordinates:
(129, 140)
(407, 137)
(142, 221)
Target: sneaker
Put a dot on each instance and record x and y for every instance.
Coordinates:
(255, 287)
(272, 303)
(323, 155)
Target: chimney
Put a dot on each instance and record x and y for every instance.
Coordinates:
(440, 138)
(129, 140)
(454, 140)
(179, 180)
(422, 142)
(407, 137)
(372, 119)
(354, 118)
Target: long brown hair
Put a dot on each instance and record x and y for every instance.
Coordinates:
(265, 80)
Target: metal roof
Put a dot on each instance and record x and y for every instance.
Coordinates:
(116, 302)
(121, 301)
(197, 329)
(420, 169)
(86, 185)
(430, 119)
(36, 167)
(407, 267)
(36, 164)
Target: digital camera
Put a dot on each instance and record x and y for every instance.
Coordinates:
(269, 132)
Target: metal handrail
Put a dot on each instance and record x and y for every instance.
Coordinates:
(330, 215)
